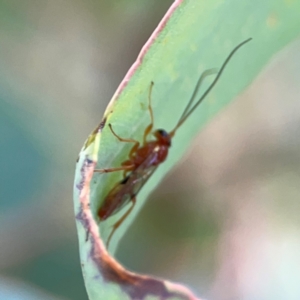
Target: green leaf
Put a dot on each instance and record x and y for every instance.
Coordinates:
(193, 36)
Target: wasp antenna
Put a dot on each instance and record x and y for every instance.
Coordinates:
(205, 74)
(187, 113)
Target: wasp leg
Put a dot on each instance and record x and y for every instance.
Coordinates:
(150, 126)
(108, 170)
(125, 173)
(118, 223)
(135, 146)
(121, 139)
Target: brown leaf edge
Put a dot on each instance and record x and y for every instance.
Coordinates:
(94, 256)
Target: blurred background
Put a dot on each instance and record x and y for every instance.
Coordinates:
(225, 222)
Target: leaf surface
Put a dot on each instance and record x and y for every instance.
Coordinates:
(192, 37)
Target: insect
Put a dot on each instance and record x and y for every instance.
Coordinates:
(143, 159)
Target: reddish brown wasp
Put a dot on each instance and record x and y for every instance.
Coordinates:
(144, 159)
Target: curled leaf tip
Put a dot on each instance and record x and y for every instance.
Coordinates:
(102, 270)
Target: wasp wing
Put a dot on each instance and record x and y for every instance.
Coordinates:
(125, 190)
(130, 186)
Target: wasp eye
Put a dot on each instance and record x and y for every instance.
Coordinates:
(162, 132)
